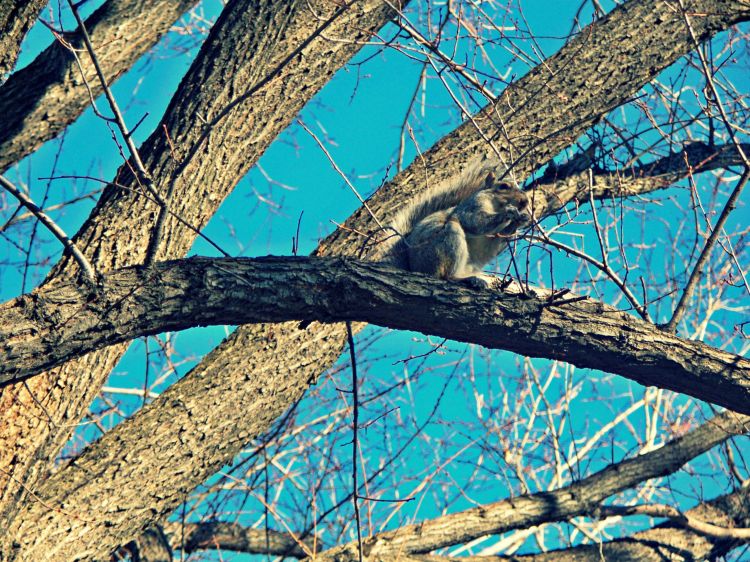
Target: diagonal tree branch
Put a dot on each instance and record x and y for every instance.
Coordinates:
(549, 106)
(43, 98)
(579, 498)
(667, 541)
(62, 320)
(244, 50)
(671, 540)
(56, 231)
(560, 185)
(96, 513)
(16, 18)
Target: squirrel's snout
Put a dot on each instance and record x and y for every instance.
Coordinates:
(523, 216)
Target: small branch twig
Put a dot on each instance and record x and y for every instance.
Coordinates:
(355, 440)
(340, 172)
(142, 174)
(642, 310)
(662, 510)
(697, 272)
(58, 233)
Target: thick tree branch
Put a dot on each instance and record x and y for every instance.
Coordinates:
(674, 540)
(43, 98)
(560, 185)
(621, 51)
(243, 53)
(667, 541)
(93, 508)
(63, 320)
(579, 498)
(550, 107)
(16, 18)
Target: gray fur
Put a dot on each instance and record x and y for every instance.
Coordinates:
(454, 231)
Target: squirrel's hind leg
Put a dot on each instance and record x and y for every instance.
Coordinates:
(438, 248)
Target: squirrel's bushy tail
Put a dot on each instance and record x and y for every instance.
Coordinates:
(477, 175)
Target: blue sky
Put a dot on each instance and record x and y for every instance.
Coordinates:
(359, 115)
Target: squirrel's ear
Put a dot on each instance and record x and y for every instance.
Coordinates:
(489, 181)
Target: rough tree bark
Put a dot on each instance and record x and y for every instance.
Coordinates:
(274, 47)
(43, 98)
(579, 498)
(67, 320)
(16, 18)
(647, 46)
(667, 541)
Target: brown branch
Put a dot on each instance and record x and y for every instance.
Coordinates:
(52, 226)
(43, 98)
(700, 264)
(667, 541)
(541, 114)
(684, 520)
(60, 321)
(16, 18)
(580, 498)
(251, 38)
(560, 185)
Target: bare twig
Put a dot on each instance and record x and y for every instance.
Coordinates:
(340, 172)
(697, 272)
(355, 440)
(143, 175)
(661, 510)
(51, 225)
(601, 266)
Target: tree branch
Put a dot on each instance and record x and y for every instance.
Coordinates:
(683, 519)
(579, 498)
(553, 103)
(63, 320)
(43, 98)
(667, 541)
(251, 38)
(560, 185)
(16, 18)
(92, 505)
(52, 226)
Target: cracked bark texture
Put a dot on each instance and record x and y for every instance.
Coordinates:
(43, 98)
(579, 498)
(16, 18)
(665, 542)
(67, 320)
(249, 44)
(280, 375)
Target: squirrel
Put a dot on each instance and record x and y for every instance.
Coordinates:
(453, 231)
